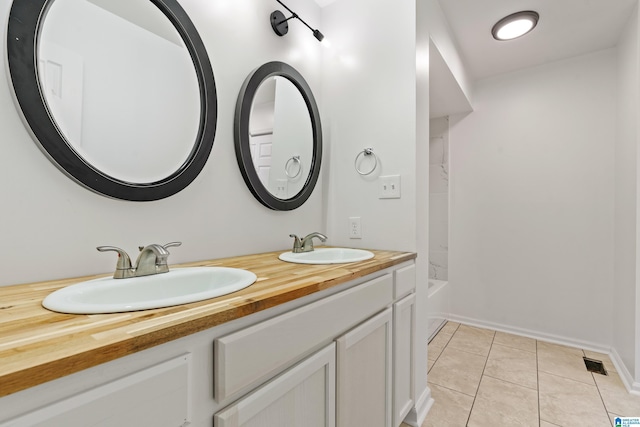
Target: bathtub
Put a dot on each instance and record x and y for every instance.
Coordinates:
(438, 305)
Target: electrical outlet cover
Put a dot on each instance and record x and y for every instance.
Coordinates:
(355, 228)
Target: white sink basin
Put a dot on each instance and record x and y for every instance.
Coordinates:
(327, 256)
(178, 286)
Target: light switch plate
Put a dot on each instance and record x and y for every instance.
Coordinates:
(389, 187)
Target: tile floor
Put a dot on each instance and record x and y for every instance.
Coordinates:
(480, 377)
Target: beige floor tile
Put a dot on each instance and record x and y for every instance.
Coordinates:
(563, 361)
(606, 361)
(430, 364)
(515, 341)
(566, 402)
(472, 340)
(615, 396)
(499, 403)
(440, 340)
(458, 370)
(450, 409)
(437, 344)
(561, 348)
(612, 417)
(546, 424)
(433, 353)
(450, 327)
(512, 365)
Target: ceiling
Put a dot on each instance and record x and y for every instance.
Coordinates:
(323, 3)
(566, 28)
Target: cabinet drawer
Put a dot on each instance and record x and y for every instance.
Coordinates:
(405, 281)
(249, 357)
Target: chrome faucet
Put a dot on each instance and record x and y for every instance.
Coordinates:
(151, 260)
(306, 243)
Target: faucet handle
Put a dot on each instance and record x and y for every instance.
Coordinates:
(123, 267)
(172, 244)
(297, 243)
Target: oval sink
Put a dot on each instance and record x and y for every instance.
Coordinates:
(327, 256)
(178, 286)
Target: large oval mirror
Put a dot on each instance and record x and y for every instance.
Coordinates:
(278, 136)
(120, 94)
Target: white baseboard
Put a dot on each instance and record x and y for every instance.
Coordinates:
(626, 377)
(418, 414)
(542, 336)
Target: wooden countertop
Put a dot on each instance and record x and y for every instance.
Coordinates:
(38, 345)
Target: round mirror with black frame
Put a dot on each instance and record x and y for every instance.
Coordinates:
(291, 125)
(157, 152)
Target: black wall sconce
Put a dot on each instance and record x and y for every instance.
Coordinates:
(281, 26)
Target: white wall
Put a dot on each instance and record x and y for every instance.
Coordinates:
(625, 293)
(371, 87)
(50, 225)
(444, 41)
(423, 93)
(370, 78)
(532, 193)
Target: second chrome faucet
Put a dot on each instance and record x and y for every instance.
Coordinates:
(151, 260)
(306, 243)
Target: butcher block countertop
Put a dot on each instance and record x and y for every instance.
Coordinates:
(38, 345)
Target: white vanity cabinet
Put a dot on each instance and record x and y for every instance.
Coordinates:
(372, 328)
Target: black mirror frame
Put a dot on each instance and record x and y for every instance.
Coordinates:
(25, 20)
(241, 135)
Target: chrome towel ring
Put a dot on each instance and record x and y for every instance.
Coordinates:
(366, 152)
(293, 160)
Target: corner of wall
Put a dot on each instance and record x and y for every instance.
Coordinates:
(442, 37)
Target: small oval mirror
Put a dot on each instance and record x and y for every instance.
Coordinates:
(278, 136)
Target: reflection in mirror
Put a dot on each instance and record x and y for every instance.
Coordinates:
(120, 86)
(119, 94)
(280, 137)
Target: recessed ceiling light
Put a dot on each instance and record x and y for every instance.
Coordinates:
(515, 25)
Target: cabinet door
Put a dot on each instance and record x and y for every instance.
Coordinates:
(303, 396)
(364, 374)
(156, 396)
(404, 319)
